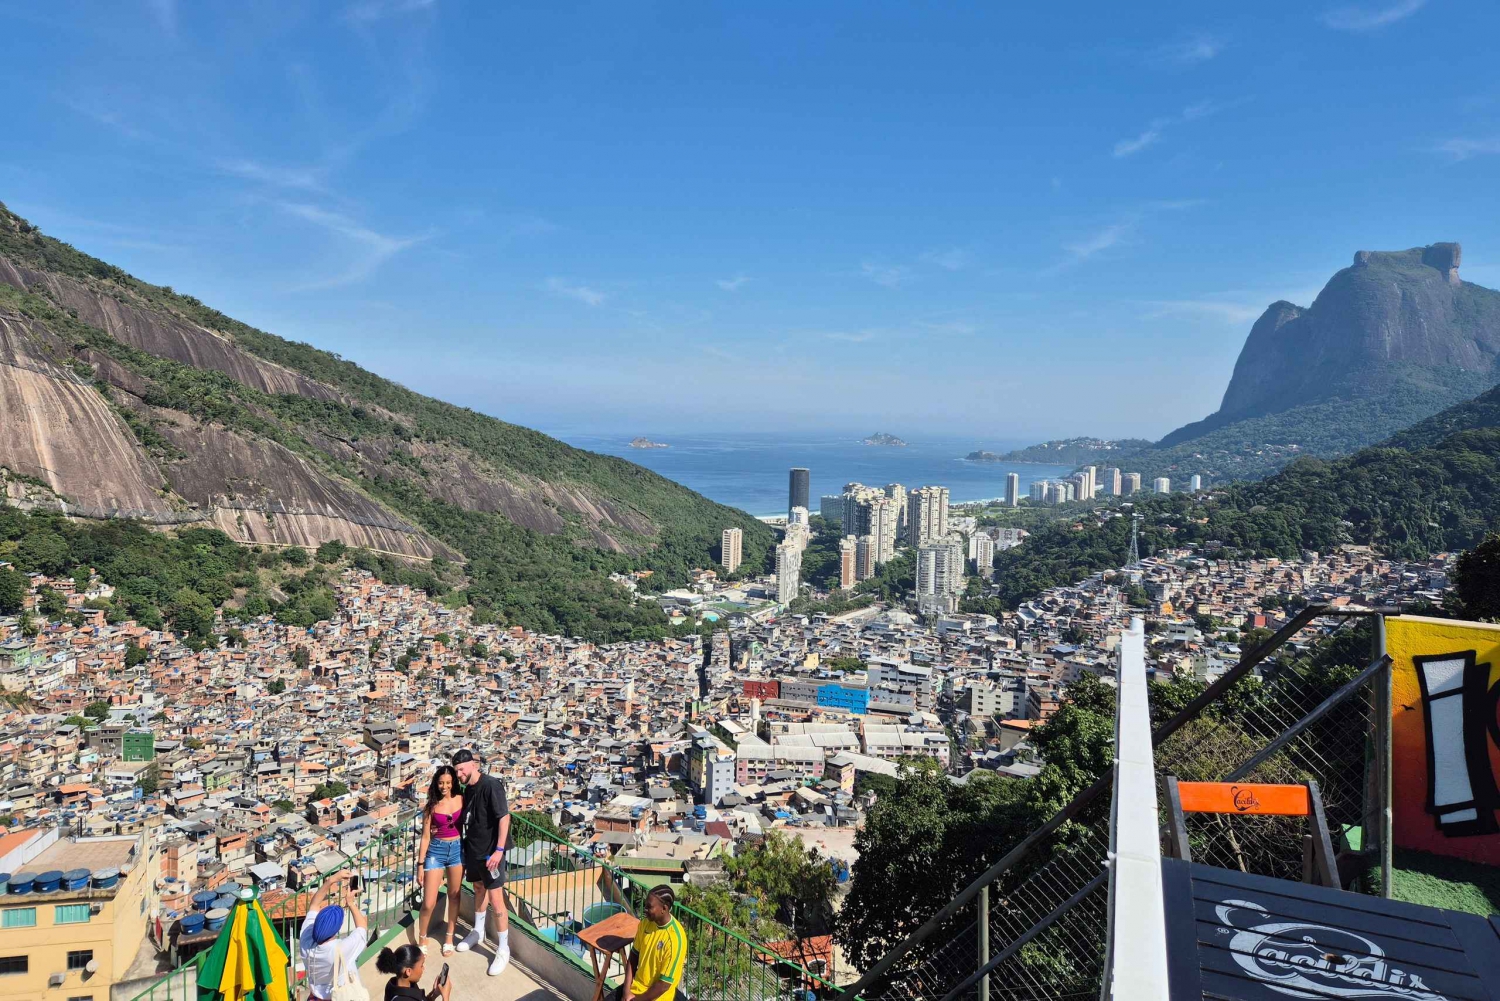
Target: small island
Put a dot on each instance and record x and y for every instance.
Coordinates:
(984, 456)
(647, 443)
(881, 438)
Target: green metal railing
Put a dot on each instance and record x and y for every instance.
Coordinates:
(555, 890)
(560, 889)
(387, 866)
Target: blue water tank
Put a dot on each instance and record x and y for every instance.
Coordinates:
(48, 882)
(21, 882)
(700, 811)
(191, 923)
(76, 879)
(204, 899)
(105, 879)
(214, 919)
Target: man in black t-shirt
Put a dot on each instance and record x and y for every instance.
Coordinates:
(486, 836)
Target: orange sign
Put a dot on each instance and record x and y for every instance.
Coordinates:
(1244, 797)
(1445, 736)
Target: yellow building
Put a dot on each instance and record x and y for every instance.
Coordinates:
(73, 944)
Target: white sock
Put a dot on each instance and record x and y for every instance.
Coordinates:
(479, 923)
(504, 939)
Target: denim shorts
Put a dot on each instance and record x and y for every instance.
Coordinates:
(442, 854)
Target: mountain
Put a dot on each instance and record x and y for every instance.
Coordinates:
(1066, 451)
(122, 399)
(1390, 340)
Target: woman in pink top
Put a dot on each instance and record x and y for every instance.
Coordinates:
(442, 857)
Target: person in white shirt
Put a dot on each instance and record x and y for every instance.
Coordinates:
(320, 940)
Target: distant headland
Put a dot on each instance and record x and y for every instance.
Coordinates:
(647, 443)
(881, 438)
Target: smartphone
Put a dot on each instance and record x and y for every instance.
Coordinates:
(354, 882)
(443, 976)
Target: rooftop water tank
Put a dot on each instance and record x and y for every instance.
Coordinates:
(204, 899)
(47, 882)
(76, 879)
(105, 879)
(191, 923)
(214, 919)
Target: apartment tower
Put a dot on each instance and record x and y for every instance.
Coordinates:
(731, 549)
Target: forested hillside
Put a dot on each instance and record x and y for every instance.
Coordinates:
(119, 398)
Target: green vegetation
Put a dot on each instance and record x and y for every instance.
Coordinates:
(787, 879)
(1476, 581)
(12, 591)
(547, 582)
(1071, 452)
(328, 790)
(1439, 881)
(541, 827)
(148, 779)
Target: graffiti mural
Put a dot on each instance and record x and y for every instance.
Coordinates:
(1445, 736)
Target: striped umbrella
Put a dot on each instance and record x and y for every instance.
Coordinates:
(248, 960)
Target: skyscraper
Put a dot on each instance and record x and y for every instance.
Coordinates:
(1162, 485)
(926, 515)
(1112, 481)
(788, 572)
(885, 518)
(864, 557)
(797, 488)
(731, 549)
(940, 575)
(831, 507)
(982, 552)
(868, 511)
(897, 493)
(1091, 484)
(1195, 483)
(1012, 489)
(848, 562)
(1132, 484)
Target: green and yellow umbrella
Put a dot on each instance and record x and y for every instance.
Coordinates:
(248, 961)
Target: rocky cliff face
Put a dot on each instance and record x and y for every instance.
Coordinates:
(119, 398)
(1391, 309)
(1397, 324)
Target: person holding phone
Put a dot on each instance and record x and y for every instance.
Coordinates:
(405, 964)
(320, 939)
(486, 836)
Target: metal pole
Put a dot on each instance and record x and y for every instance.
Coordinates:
(984, 942)
(1383, 751)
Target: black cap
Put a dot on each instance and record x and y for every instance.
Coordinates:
(462, 755)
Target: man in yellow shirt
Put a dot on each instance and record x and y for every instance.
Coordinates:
(654, 969)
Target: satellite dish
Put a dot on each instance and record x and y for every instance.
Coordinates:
(92, 966)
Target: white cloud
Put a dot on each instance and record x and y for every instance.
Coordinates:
(375, 10)
(732, 284)
(1235, 313)
(1099, 241)
(1198, 47)
(1152, 134)
(372, 249)
(1129, 147)
(1371, 18)
(297, 178)
(952, 259)
(1463, 149)
(887, 275)
(583, 293)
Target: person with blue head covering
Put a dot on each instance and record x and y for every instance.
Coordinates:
(321, 940)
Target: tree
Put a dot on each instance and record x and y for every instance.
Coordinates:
(445, 711)
(798, 882)
(1476, 580)
(294, 556)
(523, 835)
(191, 613)
(135, 655)
(328, 790)
(78, 721)
(12, 591)
(193, 744)
(275, 687)
(51, 602)
(284, 806)
(96, 710)
(148, 778)
(331, 551)
(842, 664)
(301, 658)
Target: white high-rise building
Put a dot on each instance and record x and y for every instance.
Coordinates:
(926, 515)
(1012, 489)
(1039, 491)
(982, 551)
(885, 520)
(1195, 483)
(731, 549)
(848, 562)
(1111, 481)
(1092, 486)
(940, 575)
(1162, 484)
(897, 493)
(788, 572)
(1132, 484)
(797, 516)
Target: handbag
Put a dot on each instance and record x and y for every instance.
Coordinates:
(347, 985)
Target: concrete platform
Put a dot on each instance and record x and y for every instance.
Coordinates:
(470, 971)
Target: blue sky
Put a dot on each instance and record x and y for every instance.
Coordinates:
(1022, 220)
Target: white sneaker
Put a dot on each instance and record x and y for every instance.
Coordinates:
(469, 942)
(501, 961)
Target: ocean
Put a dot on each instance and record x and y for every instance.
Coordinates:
(749, 470)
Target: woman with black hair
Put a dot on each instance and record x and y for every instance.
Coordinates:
(441, 853)
(405, 964)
